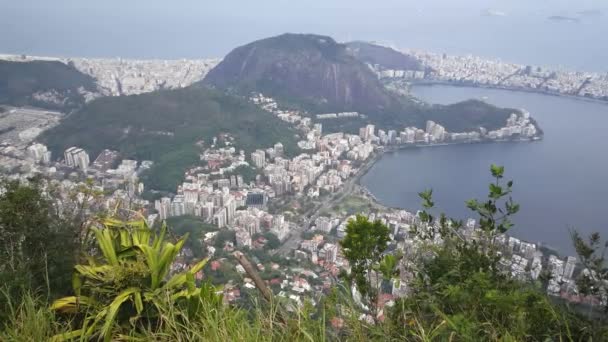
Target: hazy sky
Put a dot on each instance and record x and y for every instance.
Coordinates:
(203, 28)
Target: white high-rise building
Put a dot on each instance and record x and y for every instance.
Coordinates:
(318, 128)
(429, 126)
(367, 132)
(207, 210)
(81, 159)
(323, 224)
(69, 156)
(331, 252)
(370, 131)
(39, 153)
(219, 219)
(230, 205)
(392, 135)
(178, 207)
(259, 158)
(556, 266)
(76, 157)
(569, 267)
(278, 149)
(163, 206)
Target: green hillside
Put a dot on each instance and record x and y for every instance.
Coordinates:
(20, 80)
(164, 127)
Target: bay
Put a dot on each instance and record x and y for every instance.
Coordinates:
(560, 181)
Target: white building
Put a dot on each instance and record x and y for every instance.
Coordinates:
(77, 158)
(569, 267)
(259, 158)
(39, 153)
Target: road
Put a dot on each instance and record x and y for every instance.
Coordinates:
(295, 236)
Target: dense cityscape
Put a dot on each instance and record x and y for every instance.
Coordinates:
(473, 70)
(129, 76)
(304, 202)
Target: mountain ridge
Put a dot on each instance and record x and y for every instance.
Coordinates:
(316, 74)
(315, 69)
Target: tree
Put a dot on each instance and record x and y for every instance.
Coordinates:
(36, 244)
(461, 291)
(224, 236)
(129, 284)
(195, 227)
(363, 246)
(272, 241)
(594, 278)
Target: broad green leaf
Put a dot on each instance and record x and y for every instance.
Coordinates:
(112, 311)
(106, 244)
(71, 304)
(69, 336)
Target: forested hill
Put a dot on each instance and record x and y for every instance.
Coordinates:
(46, 84)
(164, 126)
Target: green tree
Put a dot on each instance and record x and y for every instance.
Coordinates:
(592, 254)
(461, 291)
(224, 236)
(195, 227)
(272, 241)
(363, 246)
(36, 244)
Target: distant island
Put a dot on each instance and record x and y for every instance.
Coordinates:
(564, 18)
(591, 13)
(494, 13)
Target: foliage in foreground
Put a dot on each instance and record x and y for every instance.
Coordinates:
(38, 245)
(129, 284)
(459, 289)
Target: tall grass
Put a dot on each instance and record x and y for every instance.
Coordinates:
(31, 320)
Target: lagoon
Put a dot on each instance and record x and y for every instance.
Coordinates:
(560, 181)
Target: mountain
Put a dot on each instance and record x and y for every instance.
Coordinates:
(164, 127)
(317, 74)
(46, 84)
(305, 68)
(383, 56)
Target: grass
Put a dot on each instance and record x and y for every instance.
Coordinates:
(353, 204)
(31, 320)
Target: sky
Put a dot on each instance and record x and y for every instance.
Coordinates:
(204, 28)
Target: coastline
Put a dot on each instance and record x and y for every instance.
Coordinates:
(378, 154)
(507, 88)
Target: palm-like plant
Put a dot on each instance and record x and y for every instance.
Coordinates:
(130, 282)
